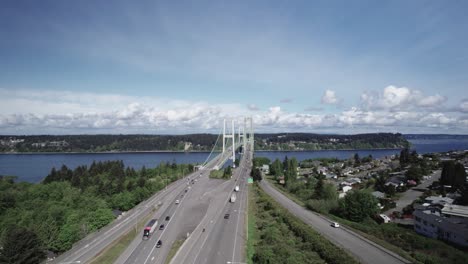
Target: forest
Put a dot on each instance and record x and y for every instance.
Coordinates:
(194, 142)
(69, 204)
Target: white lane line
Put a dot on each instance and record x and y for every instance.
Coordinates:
(237, 224)
(173, 216)
(217, 217)
(110, 232)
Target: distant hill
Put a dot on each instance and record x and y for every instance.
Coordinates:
(434, 136)
(195, 142)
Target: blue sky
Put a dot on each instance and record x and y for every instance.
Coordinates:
(183, 66)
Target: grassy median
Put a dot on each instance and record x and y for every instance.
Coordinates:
(175, 247)
(112, 252)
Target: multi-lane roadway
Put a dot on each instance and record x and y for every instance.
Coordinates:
(89, 247)
(221, 235)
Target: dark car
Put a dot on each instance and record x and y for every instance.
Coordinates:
(167, 218)
(186, 190)
(226, 216)
(159, 244)
(161, 227)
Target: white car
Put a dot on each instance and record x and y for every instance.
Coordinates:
(335, 224)
(177, 202)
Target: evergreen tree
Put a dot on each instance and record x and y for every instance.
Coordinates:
(404, 156)
(357, 205)
(21, 246)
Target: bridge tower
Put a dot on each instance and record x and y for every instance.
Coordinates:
(249, 133)
(232, 135)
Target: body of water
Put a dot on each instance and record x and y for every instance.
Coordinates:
(34, 167)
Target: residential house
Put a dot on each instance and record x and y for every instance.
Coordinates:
(378, 195)
(397, 180)
(438, 200)
(449, 223)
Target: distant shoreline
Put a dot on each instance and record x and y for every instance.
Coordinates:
(177, 151)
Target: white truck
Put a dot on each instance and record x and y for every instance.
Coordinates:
(233, 198)
(149, 228)
(237, 188)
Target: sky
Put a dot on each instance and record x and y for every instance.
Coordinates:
(176, 67)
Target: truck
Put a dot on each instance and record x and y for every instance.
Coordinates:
(149, 228)
(237, 188)
(233, 198)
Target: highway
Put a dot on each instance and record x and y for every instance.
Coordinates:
(218, 239)
(361, 248)
(89, 247)
(203, 203)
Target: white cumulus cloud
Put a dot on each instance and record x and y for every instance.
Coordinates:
(329, 97)
(400, 98)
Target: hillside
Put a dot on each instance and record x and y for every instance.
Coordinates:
(194, 142)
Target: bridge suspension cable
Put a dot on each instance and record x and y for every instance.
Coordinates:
(212, 150)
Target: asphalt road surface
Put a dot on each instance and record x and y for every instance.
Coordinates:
(218, 238)
(362, 249)
(414, 193)
(86, 249)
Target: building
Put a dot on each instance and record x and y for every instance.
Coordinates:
(347, 189)
(378, 195)
(438, 200)
(449, 223)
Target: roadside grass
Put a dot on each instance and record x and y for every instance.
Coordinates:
(218, 174)
(281, 237)
(281, 189)
(403, 241)
(112, 252)
(251, 226)
(174, 248)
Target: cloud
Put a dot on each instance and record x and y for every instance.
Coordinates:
(463, 106)
(286, 100)
(432, 101)
(329, 97)
(400, 98)
(71, 113)
(252, 107)
(313, 108)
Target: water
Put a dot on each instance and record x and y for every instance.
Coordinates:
(34, 167)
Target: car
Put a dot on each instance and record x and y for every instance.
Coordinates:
(177, 201)
(167, 218)
(226, 216)
(186, 190)
(159, 244)
(335, 224)
(161, 227)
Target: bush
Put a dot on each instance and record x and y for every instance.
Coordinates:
(286, 239)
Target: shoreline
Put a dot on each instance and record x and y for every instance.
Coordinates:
(178, 151)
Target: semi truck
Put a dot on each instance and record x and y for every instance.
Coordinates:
(237, 188)
(149, 228)
(233, 198)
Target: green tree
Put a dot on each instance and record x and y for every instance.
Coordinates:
(404, 156)
(414, 173)
(329, 192)
(276, 168)
(357, 160)
(21, 246)
(256, 174)
(453, 174)
(358, 205)
(99, 218)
